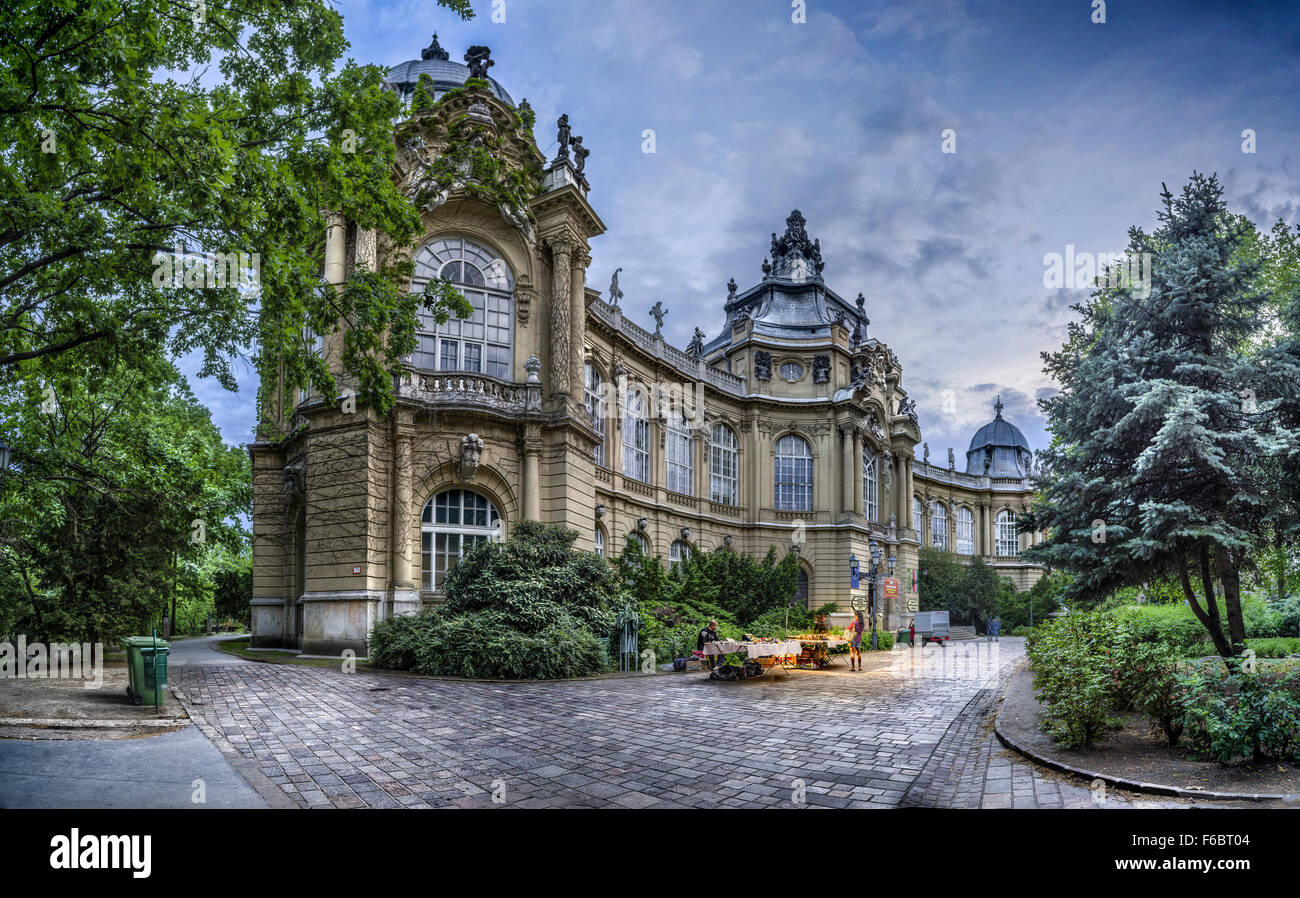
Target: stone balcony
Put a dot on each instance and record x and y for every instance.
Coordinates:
(471, 392)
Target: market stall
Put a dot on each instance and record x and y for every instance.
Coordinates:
(740, 660)
(815, 650)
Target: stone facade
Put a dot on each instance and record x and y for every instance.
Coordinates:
(791, 427)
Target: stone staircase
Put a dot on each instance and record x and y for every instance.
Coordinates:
(955, 633)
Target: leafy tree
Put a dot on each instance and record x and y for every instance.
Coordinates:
(1171, 429)
(121, 487)
(939, 585)
(136, 131)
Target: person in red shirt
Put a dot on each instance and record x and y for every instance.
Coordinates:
(855, 640)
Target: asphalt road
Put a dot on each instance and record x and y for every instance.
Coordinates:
(203, 650)
(162, 771)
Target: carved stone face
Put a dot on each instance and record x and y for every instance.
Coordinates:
(471, 452)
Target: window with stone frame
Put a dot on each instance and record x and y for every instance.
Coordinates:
(1008, 540)
(636, 437)
(724, 466)
(482, 343)
(452, 523)
(679, 454)
(965, 531)
(793, 474)
(593, 393)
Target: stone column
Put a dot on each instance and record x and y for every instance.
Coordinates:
(405, 596)
(561, 300)
(578, 320)
(532, 473)
(902, 495)
(846, 471)
(859, 501)
(336, 231)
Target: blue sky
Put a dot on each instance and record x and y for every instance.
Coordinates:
(1065, 130)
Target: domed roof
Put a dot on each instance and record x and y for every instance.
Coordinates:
(998, 449)
(447, 75)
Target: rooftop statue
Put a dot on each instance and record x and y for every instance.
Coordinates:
(580, 153)
(562, 132)
(476, 57)
(615, 294)
(731, 289)
(794, 252)
(435, 51)
(657, 312)
(695, 348)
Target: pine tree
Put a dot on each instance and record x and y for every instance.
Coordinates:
(1170, 430)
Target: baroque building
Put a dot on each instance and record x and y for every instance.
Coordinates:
(790, 428)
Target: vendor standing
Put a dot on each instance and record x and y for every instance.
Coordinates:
(708, 634)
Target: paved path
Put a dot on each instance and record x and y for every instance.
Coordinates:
(913, 730)
(152, 772)
(203, 650)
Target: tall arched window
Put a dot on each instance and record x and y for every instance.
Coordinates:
(636, 437)
(679, 454)
(965, 531)
(801, 589)
(453, 521)
(918, 519)
(724, 465)
(600, 541)
(1008, 540)
(870, 484)
(677, 553)
(793, 478)
(939, 526)
(593, 387)
(481, 343)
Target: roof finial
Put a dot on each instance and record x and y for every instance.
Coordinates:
(997, 405)
(434, 50)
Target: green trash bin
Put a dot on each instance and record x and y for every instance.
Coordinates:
(146, 664)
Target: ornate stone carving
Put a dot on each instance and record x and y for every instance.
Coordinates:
(295, 477)
(821, 369)
(886, 478)
(580, 154)
(952, 459)
(763, 365)
(794, 255)
(873, 425)
(471, 452)
(523, 305)
(907, 407)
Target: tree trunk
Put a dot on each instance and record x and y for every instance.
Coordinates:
(1230, 577)
(1209, 620)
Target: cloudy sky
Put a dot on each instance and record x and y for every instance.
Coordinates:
(1064, 131)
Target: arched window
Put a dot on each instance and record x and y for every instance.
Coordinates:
(453, 521)
(965, 531)
(593, 387)
(918, 519)
(481, 343)
(640, 541)
(939, 526)
(636, 437)
(1008, 540)
(677, 553)
(679, 454)
(801, 589)
(724, 465)
(600, 541)
(793, 478)
(870, 484)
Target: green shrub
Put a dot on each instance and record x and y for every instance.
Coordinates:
(1243, 715)
(529, 608)
(1074, 675)
(1153, 683)
(1279, 647)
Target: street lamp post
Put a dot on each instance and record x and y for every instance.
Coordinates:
(875, 590)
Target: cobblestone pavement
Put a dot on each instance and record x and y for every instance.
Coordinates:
(913, 730)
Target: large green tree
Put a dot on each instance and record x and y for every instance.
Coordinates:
(120, 489)
(132, 130)
(1175, 424)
